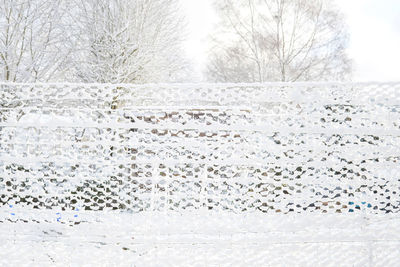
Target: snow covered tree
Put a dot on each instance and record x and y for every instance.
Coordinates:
(129, 41)
(279, 40)
(34, 41)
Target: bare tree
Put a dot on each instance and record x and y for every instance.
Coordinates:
(129, 41)
(279, 40)
(34, 45)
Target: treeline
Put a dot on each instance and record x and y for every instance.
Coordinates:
(141, 41)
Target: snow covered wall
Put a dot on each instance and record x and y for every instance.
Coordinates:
(300, 167)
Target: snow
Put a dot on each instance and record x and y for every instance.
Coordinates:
(200, 239)
(220, 175)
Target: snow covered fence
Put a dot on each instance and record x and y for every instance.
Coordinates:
(77, 154)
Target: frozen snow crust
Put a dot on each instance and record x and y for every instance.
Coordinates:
(200, 174)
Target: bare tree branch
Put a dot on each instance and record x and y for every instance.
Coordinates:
(279, 40)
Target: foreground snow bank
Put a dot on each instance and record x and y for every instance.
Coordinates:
(324, 156)
(201, 239)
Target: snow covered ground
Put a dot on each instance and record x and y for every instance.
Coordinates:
(309, 174)
(198, 239)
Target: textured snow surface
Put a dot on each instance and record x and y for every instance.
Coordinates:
(201, 239)
(279, 174)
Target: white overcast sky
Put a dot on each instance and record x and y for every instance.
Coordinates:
(374, 27)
